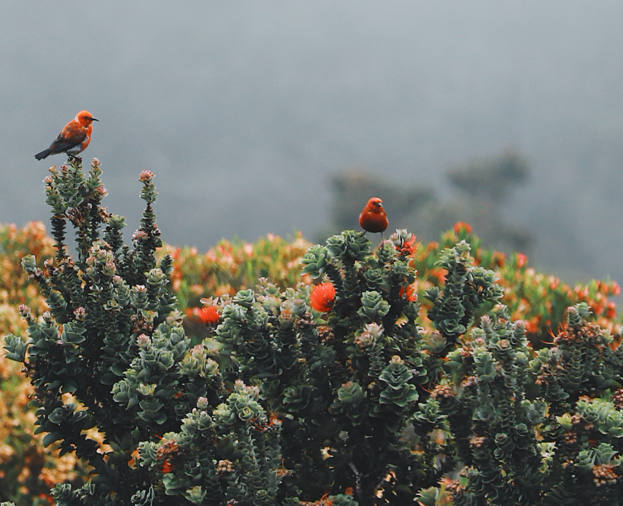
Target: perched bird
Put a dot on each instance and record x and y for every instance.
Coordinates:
(373, 217)
(74, 138)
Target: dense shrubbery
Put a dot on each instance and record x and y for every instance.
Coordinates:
(27, 469)
(347, 374)
(538, 299)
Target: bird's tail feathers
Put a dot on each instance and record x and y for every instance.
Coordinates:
(44, 154)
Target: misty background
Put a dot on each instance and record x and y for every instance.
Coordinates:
(247, 111)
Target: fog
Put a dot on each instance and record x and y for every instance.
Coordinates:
(244, 110)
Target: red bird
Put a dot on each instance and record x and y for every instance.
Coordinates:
(373, 217)
(74, 138)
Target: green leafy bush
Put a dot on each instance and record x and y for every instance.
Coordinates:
(115, 377)
(375, 384)
(27, 468)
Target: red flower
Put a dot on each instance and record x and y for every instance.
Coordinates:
(322, 297)
(208, 314)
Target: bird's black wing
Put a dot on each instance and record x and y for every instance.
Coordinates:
(62, 144)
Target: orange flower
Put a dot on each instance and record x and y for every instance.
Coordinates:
(146, 176)
(224, 289)
(461, 226)
(409, 292)
(521, 260)
(438, 273)
(532, 325)
(322, 297)
(499, 258)
(166, 467)
(408, 246)
(207, 314)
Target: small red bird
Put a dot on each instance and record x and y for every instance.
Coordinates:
(74, 138)
(373, 217)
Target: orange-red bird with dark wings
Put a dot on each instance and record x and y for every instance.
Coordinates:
(73, 139)
(373, 217)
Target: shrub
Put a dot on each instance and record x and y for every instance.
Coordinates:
(369, 386)
(27, 468)
(115, 378)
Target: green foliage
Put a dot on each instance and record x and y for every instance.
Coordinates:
(27, 468)
(344, 377)
(99, 305)
(332, 379)
(467, 288)
(531, 427)
(492, 420)
(344, 392)
(538, 299)
(113, 369)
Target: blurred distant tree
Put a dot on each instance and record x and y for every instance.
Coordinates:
(353, 188)
(491, 178)
(482, 187)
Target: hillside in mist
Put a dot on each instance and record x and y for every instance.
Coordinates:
(245, 111)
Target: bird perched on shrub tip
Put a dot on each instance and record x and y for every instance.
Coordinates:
(373, 217)
(73, 139)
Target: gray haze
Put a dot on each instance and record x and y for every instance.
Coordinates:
(245, 109)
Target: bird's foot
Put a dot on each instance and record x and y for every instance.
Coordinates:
(75, 159)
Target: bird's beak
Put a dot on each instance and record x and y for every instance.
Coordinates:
(94, 119)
